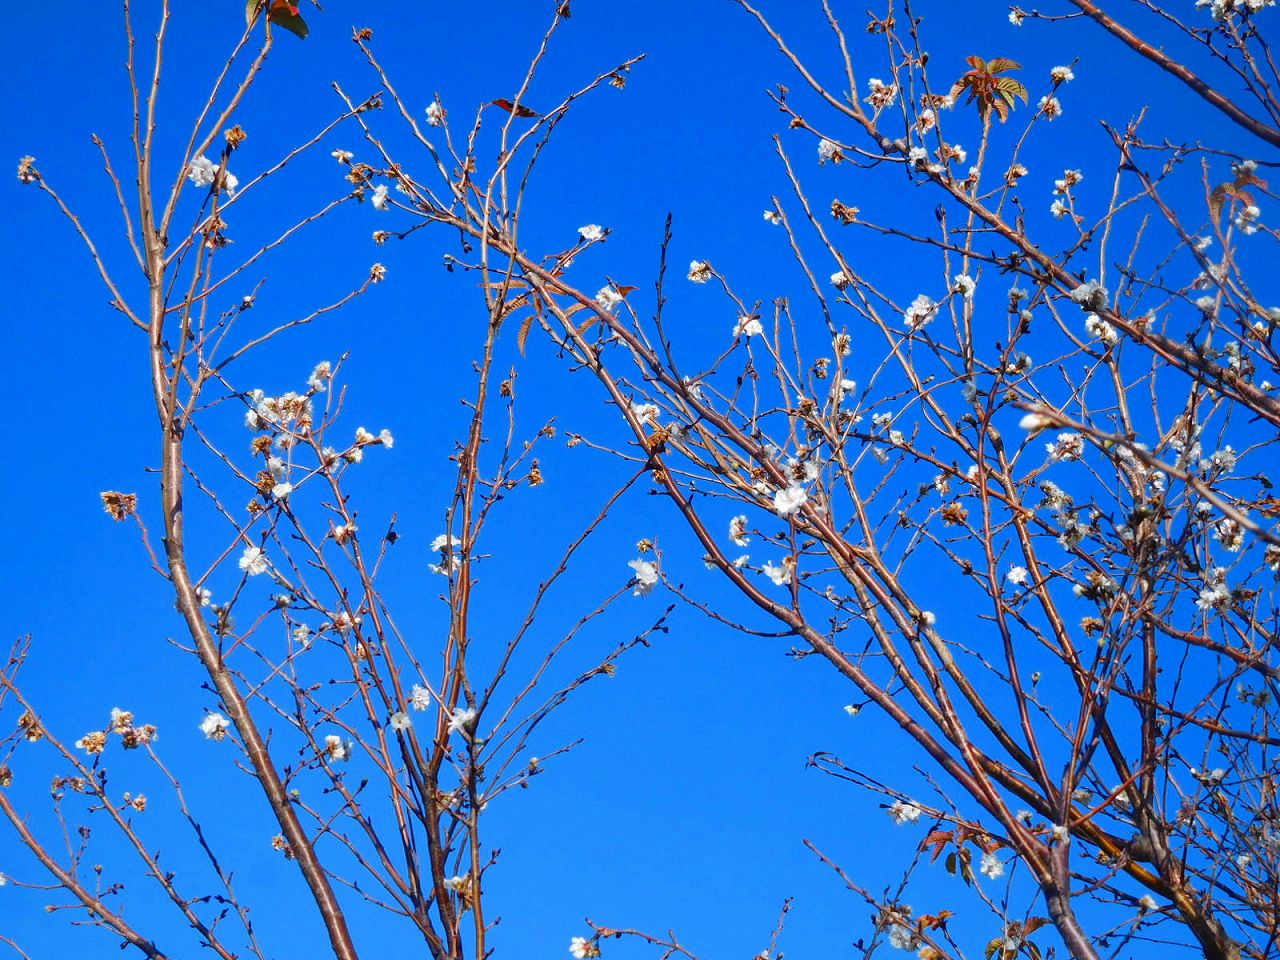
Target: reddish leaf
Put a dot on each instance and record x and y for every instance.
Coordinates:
(991, 92)
(519, 111)
(522, 336)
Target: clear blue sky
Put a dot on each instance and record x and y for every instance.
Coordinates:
(686, 807)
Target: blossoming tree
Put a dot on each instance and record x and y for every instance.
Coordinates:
(1066, 435)
(1017, 495)
(277, 578)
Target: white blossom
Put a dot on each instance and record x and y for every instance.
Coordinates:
(902, 937)
(253, 561)
(748, 326)
(1070, 178)
(419, 697)
(645, 412)
(964, 285)
(1068, 446)
(1017, 575)
(1061, 75)
(922, 309)
(608, 298)
(1099, 329)
(738, 530)
(1244, 168)
(320, 376)
(1051, 107)
(462, 719)
(452, 564)
(335, 748)
(829, 150)
(1091, 295)
(344, 622)
(1230, 535)
(379, 200)
(881, 94)
(591, 232)
(991, 866)
(699, 271)
(1224, 459)
(646, 576)
(780, 574)
(399, 721)
(1246, 219)
(202, 172)
(214, 726)
(903, 811)
(444, 544)
(435, 113)
(789, 500)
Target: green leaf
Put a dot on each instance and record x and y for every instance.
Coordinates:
(290, 21)
(250, 9)
(1000, 64)
(1008, 85)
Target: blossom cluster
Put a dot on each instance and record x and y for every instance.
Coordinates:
(203, 172)
(131, 735)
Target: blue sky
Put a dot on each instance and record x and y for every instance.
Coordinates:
(686, 807)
